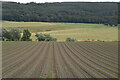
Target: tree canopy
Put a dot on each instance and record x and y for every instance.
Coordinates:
(73, 12)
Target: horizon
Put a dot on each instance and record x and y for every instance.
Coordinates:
(52, 1)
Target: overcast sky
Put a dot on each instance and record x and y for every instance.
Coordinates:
(42, 1)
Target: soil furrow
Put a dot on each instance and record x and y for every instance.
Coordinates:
(94, 62)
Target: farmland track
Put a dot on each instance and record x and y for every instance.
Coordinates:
(60, 60)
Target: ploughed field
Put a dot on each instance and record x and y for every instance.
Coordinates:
(60, 60)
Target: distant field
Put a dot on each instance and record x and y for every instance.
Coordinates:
(61, 31)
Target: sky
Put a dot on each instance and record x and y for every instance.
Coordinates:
(43, 1)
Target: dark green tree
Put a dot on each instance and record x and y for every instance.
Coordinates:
(70, 40)
(11, 35)
(16, 35)
(26, 35)
(45, 37)
(5, 34)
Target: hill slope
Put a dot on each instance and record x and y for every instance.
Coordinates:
(61, 31)
(74, 12)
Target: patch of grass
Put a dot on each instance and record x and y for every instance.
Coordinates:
(79, 31)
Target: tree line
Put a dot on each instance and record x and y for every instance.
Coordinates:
(17, 35)
(72, 12)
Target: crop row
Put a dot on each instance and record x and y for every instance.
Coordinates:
(60, 60)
